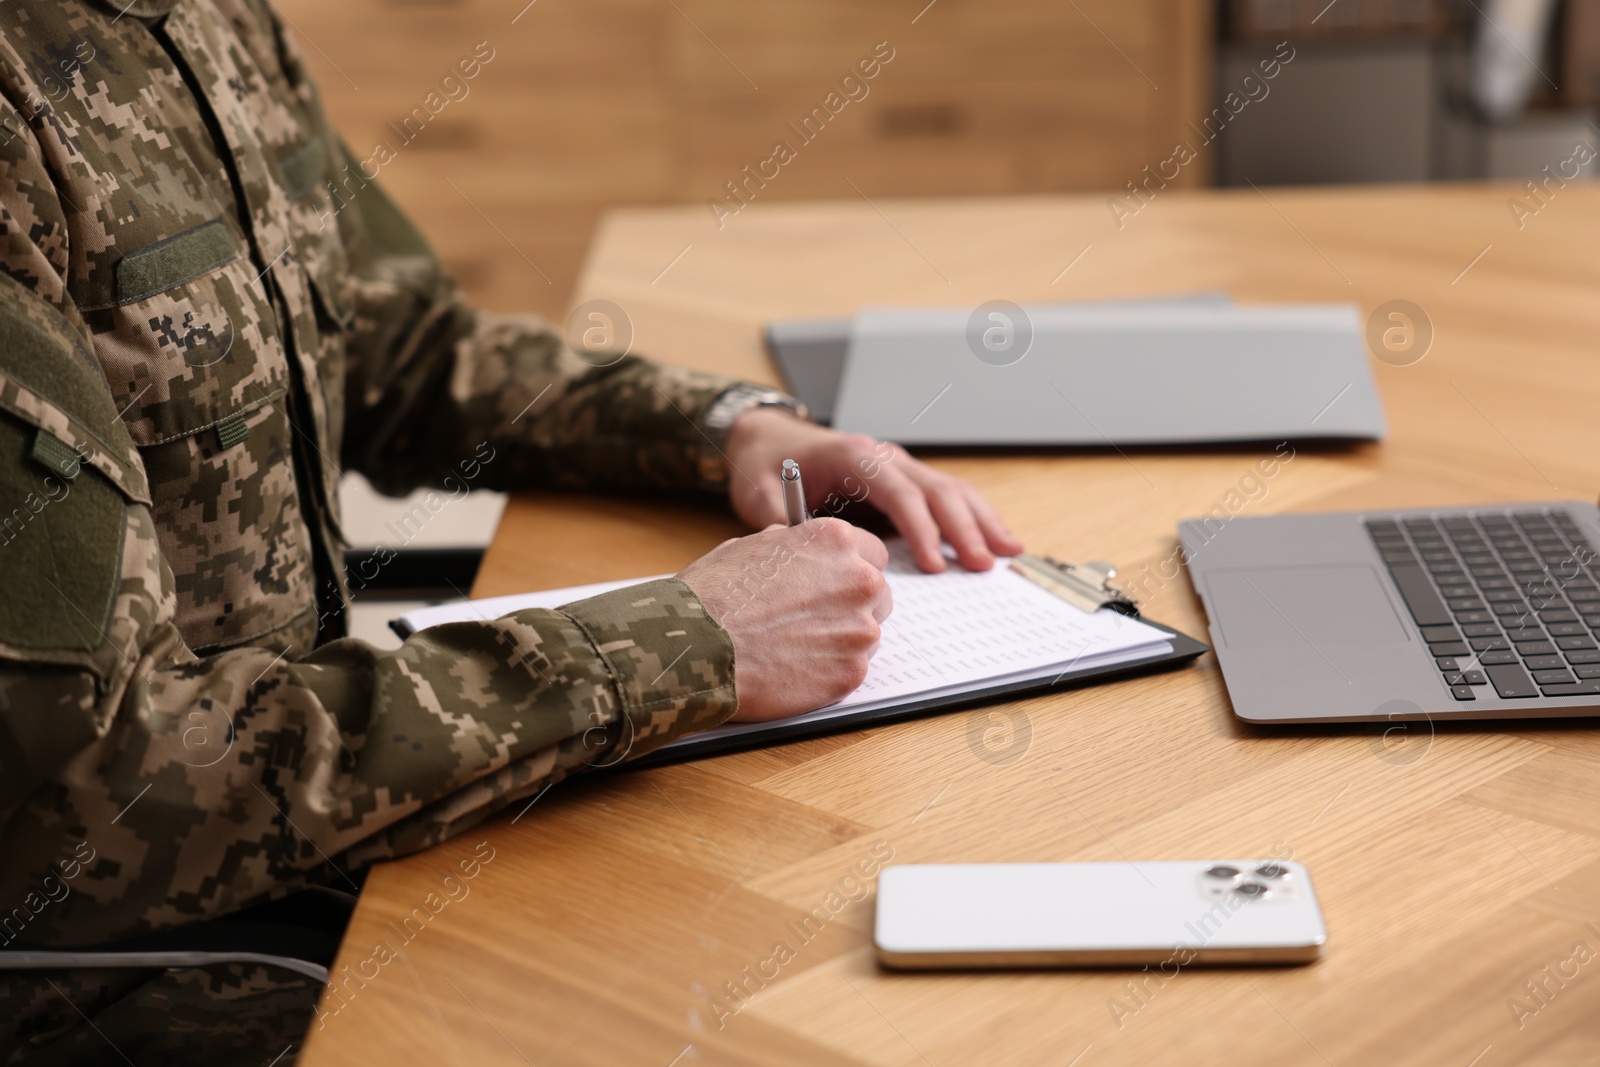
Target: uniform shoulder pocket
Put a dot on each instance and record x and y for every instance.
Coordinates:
(68, 474)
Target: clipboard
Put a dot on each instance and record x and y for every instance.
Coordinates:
(1087, 586)
(970, 624)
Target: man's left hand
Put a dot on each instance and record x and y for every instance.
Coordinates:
(925, 505)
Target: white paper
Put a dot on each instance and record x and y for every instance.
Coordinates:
(950, 633)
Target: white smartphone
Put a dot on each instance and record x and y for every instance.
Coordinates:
(1167, 913)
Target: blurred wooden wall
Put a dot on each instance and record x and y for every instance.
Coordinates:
(588, 104)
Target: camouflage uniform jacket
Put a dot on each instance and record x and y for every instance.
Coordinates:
(206, 310)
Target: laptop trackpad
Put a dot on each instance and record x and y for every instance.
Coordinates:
(1321, 606)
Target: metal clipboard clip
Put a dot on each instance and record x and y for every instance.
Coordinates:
(1086, 586)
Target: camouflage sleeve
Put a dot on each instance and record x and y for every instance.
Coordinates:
(429, 378)
(159, 787)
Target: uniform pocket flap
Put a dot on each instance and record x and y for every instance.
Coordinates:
(69, 442)
(50, 382)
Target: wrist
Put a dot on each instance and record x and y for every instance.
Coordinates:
(734, 406)
(755, 423)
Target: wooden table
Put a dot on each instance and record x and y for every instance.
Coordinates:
(1454, 868)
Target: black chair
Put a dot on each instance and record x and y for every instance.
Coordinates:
(411, 573)
(300, 932)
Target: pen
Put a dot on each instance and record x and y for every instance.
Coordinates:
(794, 496)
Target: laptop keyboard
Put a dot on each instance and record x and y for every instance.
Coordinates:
(1508, 602)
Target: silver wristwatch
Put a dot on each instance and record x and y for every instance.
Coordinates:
(719, 418)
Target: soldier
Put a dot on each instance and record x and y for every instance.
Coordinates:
(207, 312)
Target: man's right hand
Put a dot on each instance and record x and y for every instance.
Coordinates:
(803, 605)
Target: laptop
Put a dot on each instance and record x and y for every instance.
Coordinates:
(810, 353)
(1140, 372)
(1464, 613)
